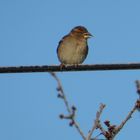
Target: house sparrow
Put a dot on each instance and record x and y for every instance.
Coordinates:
(73, 47)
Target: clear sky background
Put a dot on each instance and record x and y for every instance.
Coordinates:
(29, 34)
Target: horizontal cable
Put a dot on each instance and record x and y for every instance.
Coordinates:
(58, 68)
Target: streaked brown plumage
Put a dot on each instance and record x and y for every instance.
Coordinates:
(73, 48)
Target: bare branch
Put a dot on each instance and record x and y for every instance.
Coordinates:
(126, 119)
(62, 94)
(136, 107)
(70, 110)
(112, 130)
(56, 68)
(96, 122)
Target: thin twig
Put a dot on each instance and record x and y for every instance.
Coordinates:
(63, 96)
(138, 87)
(126, 119)
(58, 68)
(60, 88)
(96, 122)
(136, 107)
(103, 131)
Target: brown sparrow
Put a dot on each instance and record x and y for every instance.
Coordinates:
(73, 48)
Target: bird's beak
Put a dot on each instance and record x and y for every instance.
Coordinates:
(87, 35)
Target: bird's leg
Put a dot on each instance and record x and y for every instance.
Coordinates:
(62, 65)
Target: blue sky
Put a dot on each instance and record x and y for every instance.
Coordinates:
(30, 32)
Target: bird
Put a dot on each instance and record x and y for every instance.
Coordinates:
(73, 48)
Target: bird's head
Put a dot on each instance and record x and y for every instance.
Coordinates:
(81, 31)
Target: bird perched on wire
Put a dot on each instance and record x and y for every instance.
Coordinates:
(73, 47)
